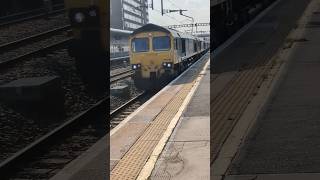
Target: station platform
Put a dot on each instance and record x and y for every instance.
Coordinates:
(275, 135)
(167, 137)
(187, 153)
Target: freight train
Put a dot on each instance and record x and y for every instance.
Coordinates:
(227, 16)
(157, 54)
(90, 20)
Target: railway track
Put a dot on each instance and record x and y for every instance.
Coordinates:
(14, 44)
(30, 15)
(126, 109)
(38, 44)
(121, 75)
(48, 155)
(119, 62)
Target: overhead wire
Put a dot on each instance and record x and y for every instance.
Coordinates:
(176, 6)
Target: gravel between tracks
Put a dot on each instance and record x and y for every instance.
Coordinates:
(18, 131)
(116, 101)
(29, 28)
(31, 47)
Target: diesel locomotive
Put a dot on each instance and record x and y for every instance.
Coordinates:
(157, 54)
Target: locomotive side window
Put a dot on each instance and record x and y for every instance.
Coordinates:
(140, 45)
(161, 43)
(176, 47)
(183, 47)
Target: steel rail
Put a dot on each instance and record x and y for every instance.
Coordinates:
(9, 166)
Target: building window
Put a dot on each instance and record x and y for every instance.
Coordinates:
(131, 25)
(132, 18)
(133, 3)
(132, 9)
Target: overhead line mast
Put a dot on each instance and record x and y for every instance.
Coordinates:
(163, 11)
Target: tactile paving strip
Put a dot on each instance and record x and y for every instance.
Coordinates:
(129, 167)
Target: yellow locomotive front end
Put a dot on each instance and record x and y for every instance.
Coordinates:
(89, 20)
(152, 57)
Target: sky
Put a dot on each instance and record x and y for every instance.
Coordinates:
(198, 9)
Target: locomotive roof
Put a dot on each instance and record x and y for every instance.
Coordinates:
(152, 27)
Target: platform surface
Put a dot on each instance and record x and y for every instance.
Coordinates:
(92, 164)
(239, 66)
(134, 140)
(285, 141)
(187, 153)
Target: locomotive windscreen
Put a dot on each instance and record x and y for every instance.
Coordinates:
(140, 45)
(161, 43)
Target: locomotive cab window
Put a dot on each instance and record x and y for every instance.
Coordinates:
(183, 47)
(140, 45)
(161, 43)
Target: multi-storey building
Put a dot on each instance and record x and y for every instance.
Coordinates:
(128, 14)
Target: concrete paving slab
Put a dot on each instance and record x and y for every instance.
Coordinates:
(147, 116)
(305, 53)
(93, 164)
(302, 176)
(298, 88)
(315, 17)
(313, 36)
(199, 105)
(193, 129)
(184, 160)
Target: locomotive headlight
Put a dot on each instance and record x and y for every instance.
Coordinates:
(167, 65)
(79, 17)
(136, 66)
